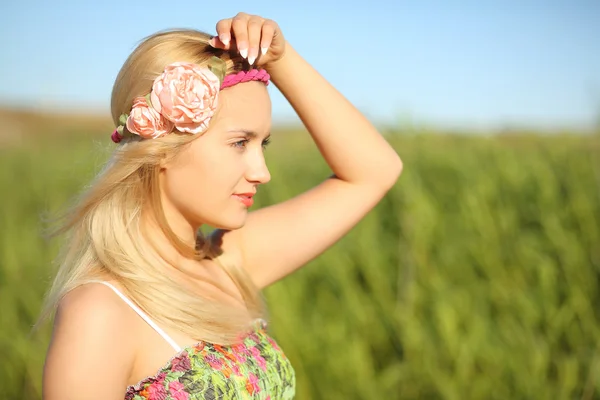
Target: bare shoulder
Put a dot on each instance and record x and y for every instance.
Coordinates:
(90, 346)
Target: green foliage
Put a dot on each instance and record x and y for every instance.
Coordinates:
(477, 276)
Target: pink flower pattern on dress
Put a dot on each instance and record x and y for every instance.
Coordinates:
(252, 384)
(240, 351)
(213, 361)
(236, 370)
(177, 391)
(203, 370)
(156, 391)
(181, 363)
(259, 359)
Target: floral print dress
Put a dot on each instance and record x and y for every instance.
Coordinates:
(256, 368)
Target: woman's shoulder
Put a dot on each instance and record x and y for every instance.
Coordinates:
(91, 307)
(91, 342)
(93, 312)
(92, 296)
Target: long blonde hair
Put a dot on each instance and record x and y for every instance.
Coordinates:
(104, 230)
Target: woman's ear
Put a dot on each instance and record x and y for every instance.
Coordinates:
(170, 159)
(163, 164)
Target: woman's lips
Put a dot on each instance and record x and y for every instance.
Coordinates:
(245, 198)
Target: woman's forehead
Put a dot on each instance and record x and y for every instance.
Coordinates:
(245, 96)
(245, 106)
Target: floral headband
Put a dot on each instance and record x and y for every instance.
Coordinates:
(183, 97)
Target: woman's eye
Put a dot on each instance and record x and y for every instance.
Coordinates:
(243, 144)
(265, 143)
(240, 144)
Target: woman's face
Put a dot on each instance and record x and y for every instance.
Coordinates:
(212, 181)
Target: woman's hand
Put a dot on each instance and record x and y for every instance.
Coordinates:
(257, 39)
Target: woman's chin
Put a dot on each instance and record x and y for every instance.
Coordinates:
(231, 224)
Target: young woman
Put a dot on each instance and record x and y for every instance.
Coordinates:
(146, 306)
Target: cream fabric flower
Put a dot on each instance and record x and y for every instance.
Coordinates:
(186, 94)
(145, 121)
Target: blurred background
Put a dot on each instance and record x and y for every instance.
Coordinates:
(478, 275)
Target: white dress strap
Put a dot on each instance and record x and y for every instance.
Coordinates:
(142, 314)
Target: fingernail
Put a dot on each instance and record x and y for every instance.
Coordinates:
(244, 53)
(224, 39)
(251, 59)
(212, 42)
(263, 50)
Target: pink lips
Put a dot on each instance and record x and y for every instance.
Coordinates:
(245, 198)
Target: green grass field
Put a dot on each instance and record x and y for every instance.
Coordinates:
(477, 277)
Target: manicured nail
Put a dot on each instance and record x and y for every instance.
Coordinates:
(244, 53)
(224, 38)
(251, 59)
(263, 50)
(212, 42)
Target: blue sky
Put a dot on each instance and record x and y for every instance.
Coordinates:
(456, 63)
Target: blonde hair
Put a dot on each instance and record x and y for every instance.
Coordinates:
(105, 233)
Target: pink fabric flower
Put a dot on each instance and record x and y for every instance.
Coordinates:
(146, 121)
(186, 94)
(178, 391)
(116, 136)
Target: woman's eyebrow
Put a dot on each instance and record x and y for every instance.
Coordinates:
(250, 134)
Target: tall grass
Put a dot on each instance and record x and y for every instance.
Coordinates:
(477, 277)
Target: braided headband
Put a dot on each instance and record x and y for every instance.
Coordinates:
(183, 97)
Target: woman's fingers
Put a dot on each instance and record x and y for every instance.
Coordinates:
(268, 32)
(217, 43)
(254, 33)
(252, 36)
(239, 26)
(224, 33)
